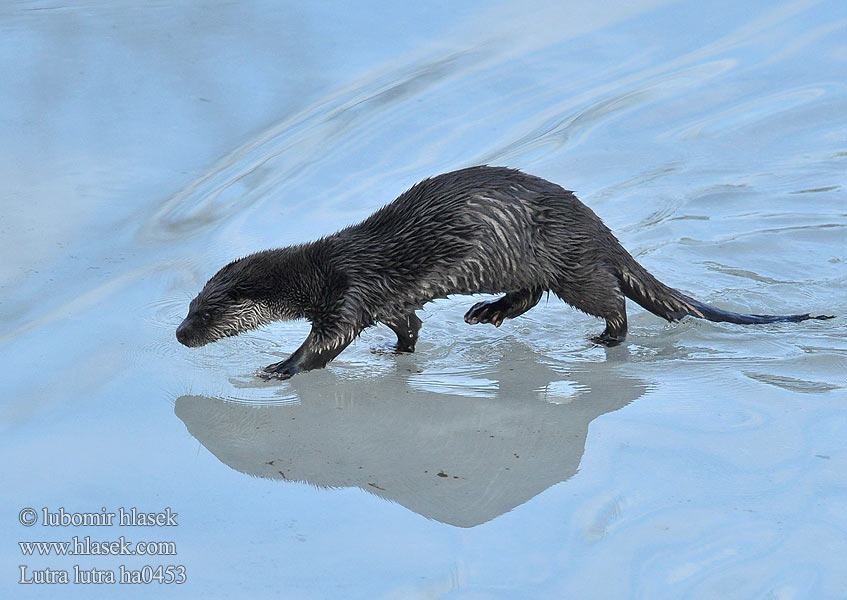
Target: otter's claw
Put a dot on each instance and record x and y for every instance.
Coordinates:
(486, 312)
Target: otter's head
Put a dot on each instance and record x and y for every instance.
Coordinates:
(241, 296)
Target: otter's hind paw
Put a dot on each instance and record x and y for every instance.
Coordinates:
(604, 339)
(486, 312)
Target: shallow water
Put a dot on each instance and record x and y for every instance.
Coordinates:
(148, 144)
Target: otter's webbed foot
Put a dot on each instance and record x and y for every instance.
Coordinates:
(281, 370)
(604, 339)
(490, 311)
(615, 331)
(509, 306)
(406, 328)
(390, 348)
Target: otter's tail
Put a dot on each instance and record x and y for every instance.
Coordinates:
(640, 286)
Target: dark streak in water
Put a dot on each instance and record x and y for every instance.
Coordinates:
(793, 385)
(815, 190)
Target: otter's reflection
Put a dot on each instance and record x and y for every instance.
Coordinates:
(455, 459)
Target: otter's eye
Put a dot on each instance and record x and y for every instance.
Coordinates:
(205, 316)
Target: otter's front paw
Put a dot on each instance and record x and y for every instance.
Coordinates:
(279, 370)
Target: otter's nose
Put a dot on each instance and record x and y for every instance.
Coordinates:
(182, 334)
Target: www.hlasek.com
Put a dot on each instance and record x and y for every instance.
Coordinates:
(86, 546)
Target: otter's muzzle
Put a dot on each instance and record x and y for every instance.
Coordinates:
(184, 337)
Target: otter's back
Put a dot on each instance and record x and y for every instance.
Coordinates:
(480, 229)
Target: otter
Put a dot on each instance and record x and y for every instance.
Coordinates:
(482, 229)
